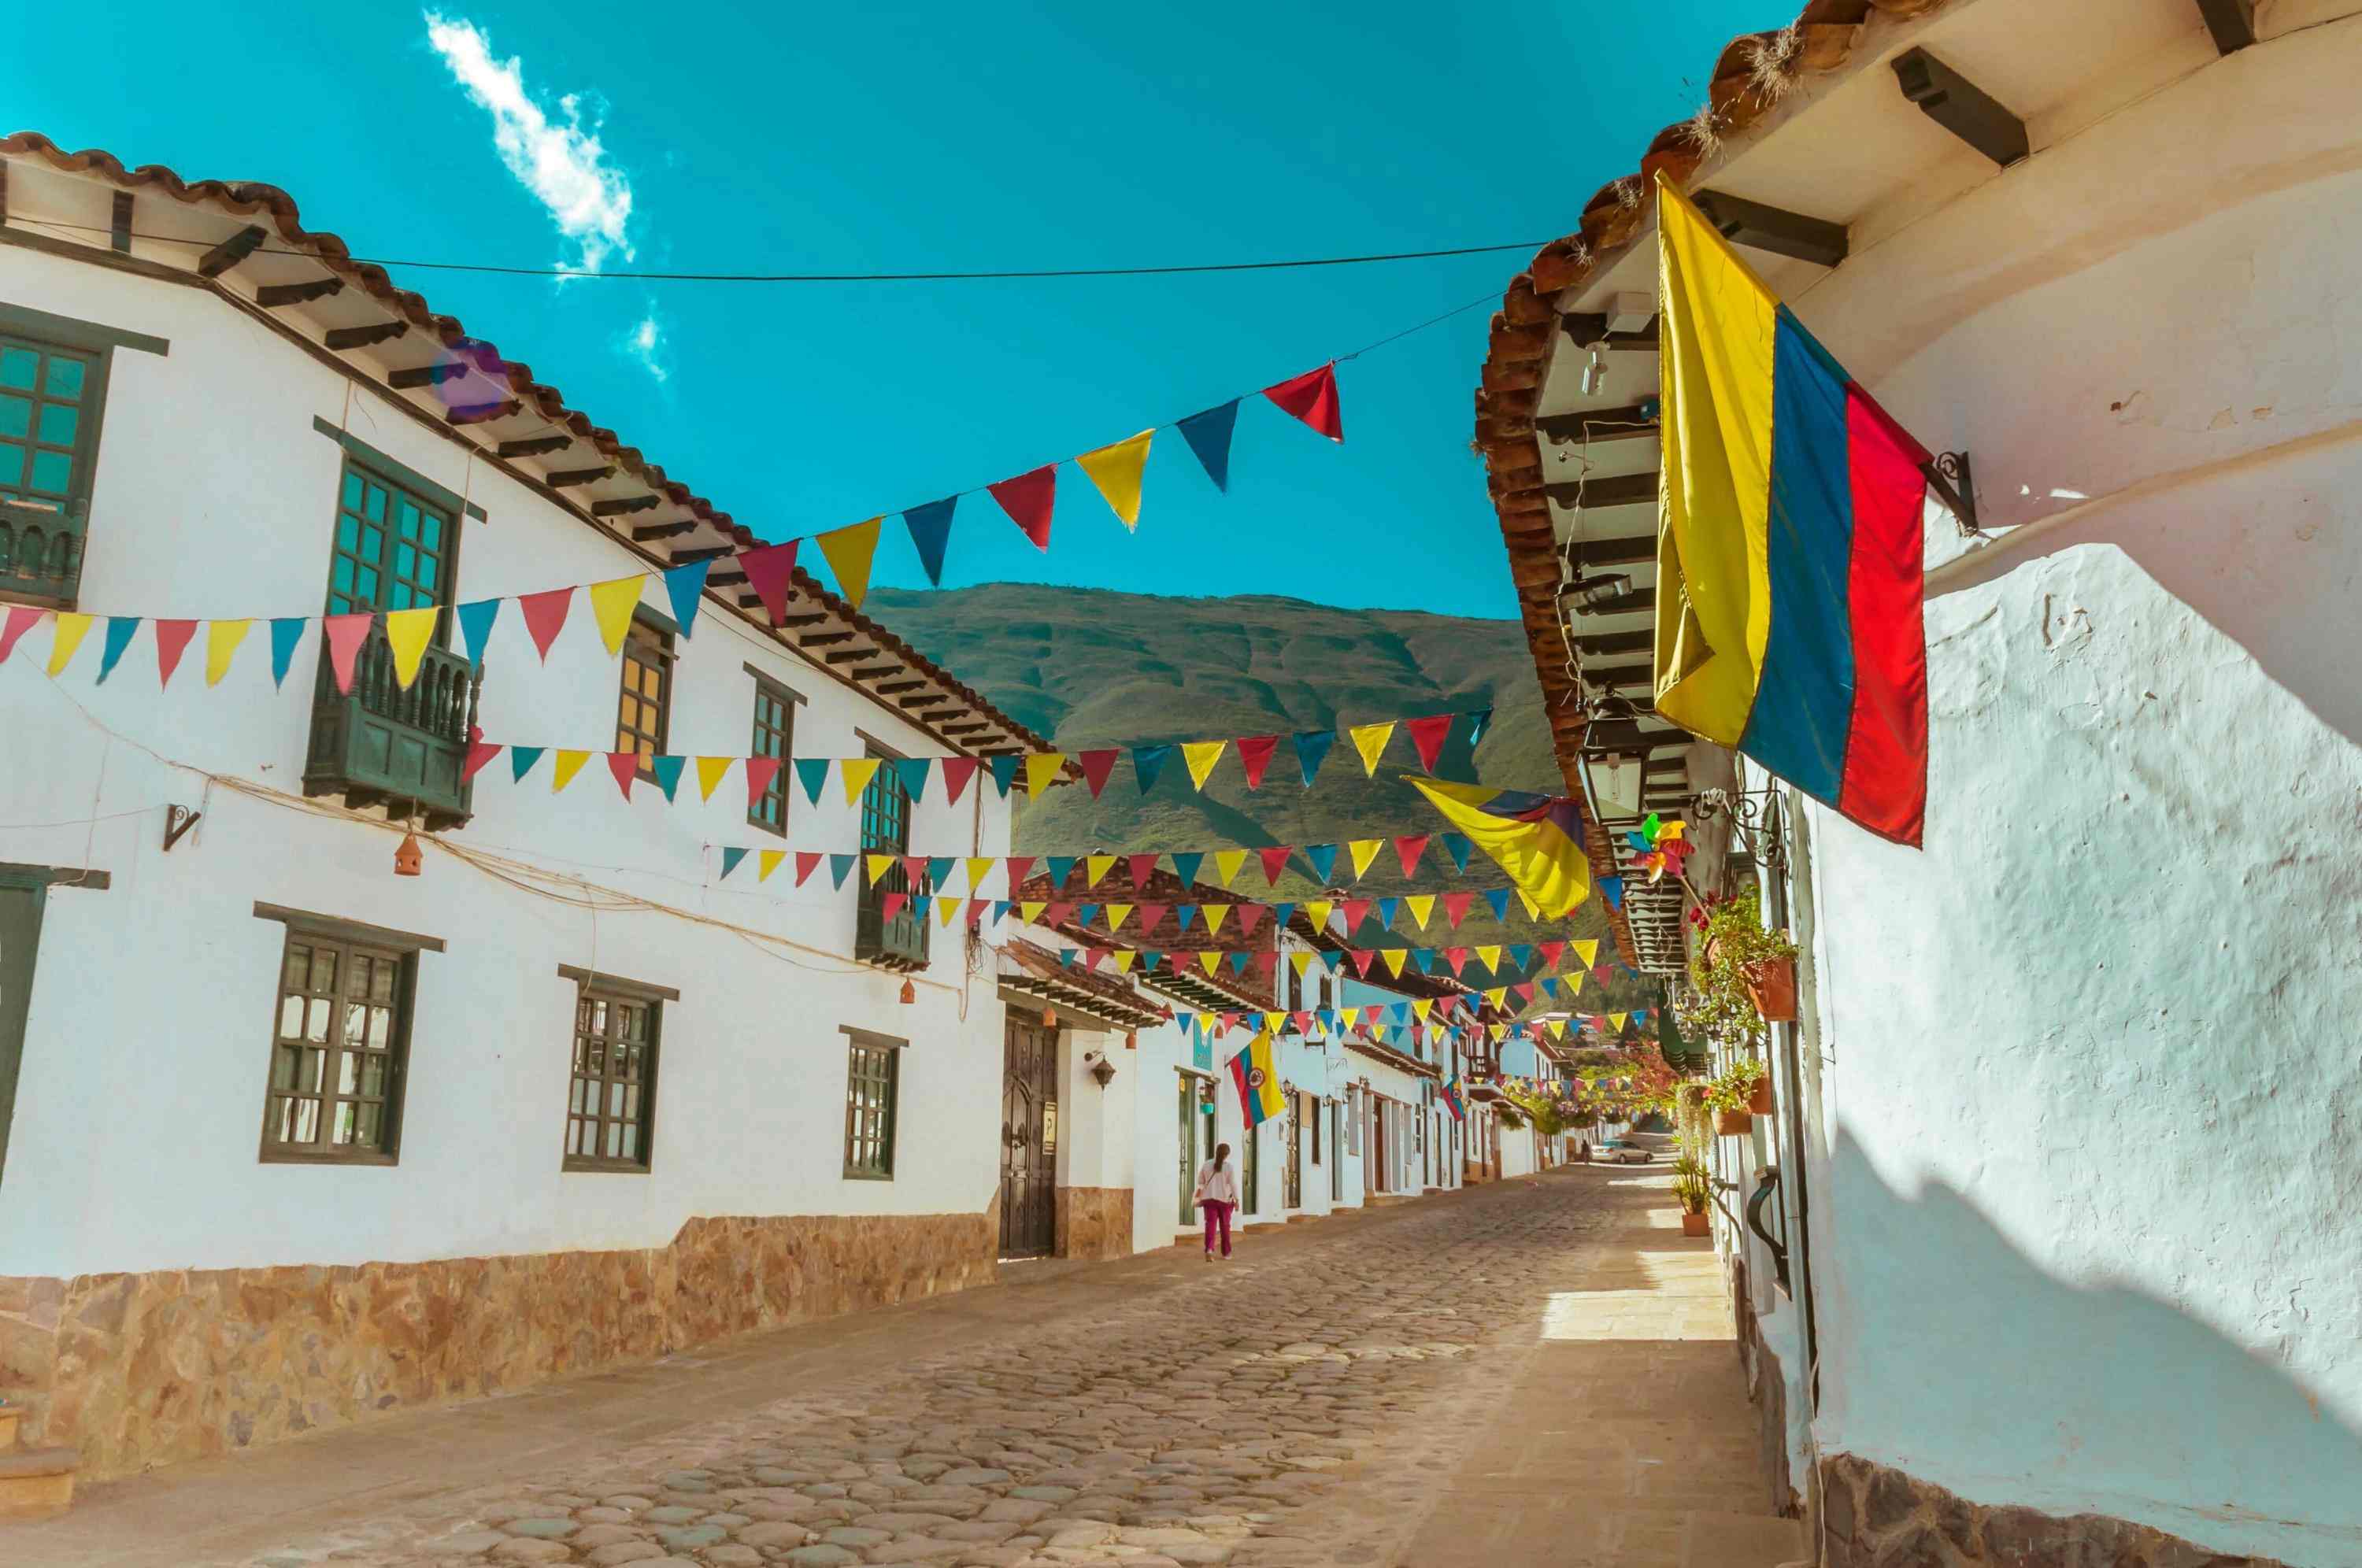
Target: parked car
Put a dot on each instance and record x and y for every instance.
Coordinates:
(1622, 1151)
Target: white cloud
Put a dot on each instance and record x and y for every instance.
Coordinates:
(560, 161)
(645, 343)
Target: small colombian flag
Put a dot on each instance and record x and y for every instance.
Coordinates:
(1257, 1081)
(1452, 1101)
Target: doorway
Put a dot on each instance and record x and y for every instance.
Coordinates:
(20, 931)
(1189, 1139)
(1291, 1186)
(1029, 1140)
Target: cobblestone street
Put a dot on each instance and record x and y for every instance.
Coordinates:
(1361, 1390)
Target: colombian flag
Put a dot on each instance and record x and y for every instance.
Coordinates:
(1257, 1081)
(1452, 1101)
(1789, 551)
(1536, 839)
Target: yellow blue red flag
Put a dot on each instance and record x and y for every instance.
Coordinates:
(1536, 839)
(1257, 1080)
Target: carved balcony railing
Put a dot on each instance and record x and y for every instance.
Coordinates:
(378, 744)
(900, 943)
(40, 553)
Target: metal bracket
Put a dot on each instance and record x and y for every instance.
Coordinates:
(178, 821)
(1948, 475)
(1767, 1182)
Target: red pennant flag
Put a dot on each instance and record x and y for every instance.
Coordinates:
(976, 908)
(1428, 734)
(544, 614)
(1058, 913)
(1028, 499)
(1249, 916)
(1274, 861)
(345, 636)
(1019, 868)
(1266, 962)
(1457, 958)
(1312, 397)
(1409, 848)
(771, 572)
(1603, 974)
(1140, 866)
(891, 905)
(1455, 908)
(1362, 958)
(1254, 756)
(957, 771)
(1096, 765)
(626, 767)
(807, 862)
(22, 618)
(1302, 1019)
(479, 752)
(171, 641)
(1550, 952)
(1094, 956)
(1524, 992)
(1355, 910)
(914, 871)
(760, 771)
(1148, 915)
(1231, 1020)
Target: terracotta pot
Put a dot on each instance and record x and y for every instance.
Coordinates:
(1734, 1123)
(1759, 1101)
(1695, 1224)
(1772, 985)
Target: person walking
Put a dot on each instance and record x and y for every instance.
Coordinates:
(1217, 1195)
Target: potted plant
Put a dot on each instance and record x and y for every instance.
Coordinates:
(1693, 1190)
(1729, 1095)
(1744, 976)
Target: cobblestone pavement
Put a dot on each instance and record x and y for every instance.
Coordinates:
(1304, 1402)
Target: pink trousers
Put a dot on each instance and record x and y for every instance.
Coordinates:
(1218, 1216)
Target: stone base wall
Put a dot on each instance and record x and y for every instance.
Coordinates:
(141, 1369)
(1873, 1514)
(1094, 1222)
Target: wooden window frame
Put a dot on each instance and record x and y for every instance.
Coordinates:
(862, 1044)
(96, 343)
(348, 939)
(367, 465)
(780, 790)
(668, 656)
(591, 986)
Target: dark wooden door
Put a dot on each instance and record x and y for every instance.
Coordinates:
(1188, 1141)
(1029, 1141)
(20, 931)
(1291, 1185)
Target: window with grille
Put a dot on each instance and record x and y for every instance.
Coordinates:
(48, 423)
(341, 1041)
(872, 1085)
(774, 719)
(392, 549)
(643, 710)
(611, 1100)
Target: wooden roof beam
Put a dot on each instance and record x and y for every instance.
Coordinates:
(411, 376)
(484, 413)
(535, 446)
(343, 337)
(702, 553)
(230, 252)
(271, 296)
(564, 478)
(928, 701)
(1639, 549)
(1775, 229)
(847, 656)
(825, 639)
(1630, 603)
(1583, 328)
(2233, 23)
(1624, 423)
(1607, 489)
(873, 671)
(889, 687)
(647, 531)
(1960, 106)
(626, 507)
(1616, 643)
(120, 235)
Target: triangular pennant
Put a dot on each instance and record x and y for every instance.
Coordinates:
(771, 572)
(1201, 755)
(407, 633)
(1323, 857)
(120, 629)
(1356, 910)
(1408, 849)
(957, 771)
(1152, 913)
(685, 589)
(1393, 957)
(711, 771)
(345, 636)
(544, 617)
(913, 771)
(930, 530)
(1422, 906)
(1142, 867)
(286, 633)
(1424, 1007)
(1318, 912)
(938, 870)
(1186, 863)
(1060, 867)
(1214, 915)
(812, 772)
(1312, 397)
(1004, 771)
(1227, 863)
(1209, 435)
(1363, 850)
(68, 628)
(612, 603)
(1299, 960)
(840, 867)
(1586, 951)
(807, 862)
(769, 862)
(1386, 912)
(1457, 958)
(1477, 721)
(667, 770)
(1499, 898)
(520, 761)
(1548, 952)
(760, 771)
(1249, 916)
(947, 911)
(1209, 961)
(1041, 769)
(1096, 866)
(1254, 756)
(1030, 910)
(1311, 745)
(1028, 500)
(729, 859)
(21, 619)
(624, 766)
(855, 773)
(1116, 471)
(1459, 845)
(889, 905)
(1274, 861)
(1370, 740)
(1123, 961)
(1428, 736)
(478, 754)
(978, 868)
(850, 552)
(563, 770)
(1147, 762)
(476, 618)
(1490, 957)
(1096, 766)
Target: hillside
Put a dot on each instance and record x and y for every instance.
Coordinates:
(1089, 668)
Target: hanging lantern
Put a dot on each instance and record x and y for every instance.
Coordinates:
(408, 859)
(1104, 1071)
(1132, 1040)
(1049, 1018)
(910, 993)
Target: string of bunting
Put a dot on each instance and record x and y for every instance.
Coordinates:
(1429, 733)
(1522, 956)
(1433, 1015)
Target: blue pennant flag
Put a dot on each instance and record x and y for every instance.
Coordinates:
(930, 530)
(912, 771)
(1061, 867)
(522, 758)
(1183, 916)
(1499, 898)
(1311, 745)
(1149, 959)
(685, 586)
(1402, 1011)
(667, 771)
(1066, 956)
(1425, 958)
(1209, 435)
(840, 867)
(1476, 723)
(1004, 771)
(1331, 957)
(286, 631)
(939, 871)
(1087, 913)
(1323, 857)
(1614, 888)
(1147, 762)
(812, 772)
(476, 618)
(1522, 956)
(1281, 914)
(118, 637)
(1386, 912)
(1459, 845)
(729, 859)
(1186, 863)
(999, 909)
(1238, 963)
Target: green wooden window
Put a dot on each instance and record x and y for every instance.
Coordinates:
(775, 720)
(392, 549)
(885, 813)
(48, 423)
(611, 1105)
(872, 1085)
(642, 711)
(340, 1041)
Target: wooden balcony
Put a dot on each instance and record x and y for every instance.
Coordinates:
(380, 745)
(40, 553)
(896, 944)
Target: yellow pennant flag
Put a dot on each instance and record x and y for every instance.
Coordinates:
(1422, 1006)
(1116, 471)
(876, 866)
(1319, 911)
(1557, 1027)
(1201, 755)
(67, 630)
(856, 772)
(1422, 905)
(407, 631)
(1227, 863)
(1491, 956)
(1123, 957)
(1393, 957)
(1533, 909)
(979, 868)
(849, 551)
(710, 770)
(222, 638)
(1572, 980)
(612, 603)
(1587, 950)
(1351, 1016)
(1041, 766)
(1096, 866)
(1215, 914)
(1210, 961)
(1497, 997)
(1363, 850)
(1030, 910)
(947, 911)
(1615, 1020)
(564, 768)
(1273, 1020)
(1115, 913)
(767, 862)
(1300, 961)
(1370, 740)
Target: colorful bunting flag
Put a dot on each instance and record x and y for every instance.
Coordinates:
(1028, 499)
(1312, 397)
(21, 619)
(1096, 764)
(1363, 850)
(930, 530)
(1041, 769)
(612, 603)
(545, 615)
(1116, 471)
(1147, 763)
(286, 632)
(685, 589)
(1209, 435)
(1370, 740)
(1202, 757)
(476, 618)
(855, 772)
(771, 572)
(407, 633)
(567, 764)
(222, 639)
(1311, 745)
(120, 629)
(850, 551)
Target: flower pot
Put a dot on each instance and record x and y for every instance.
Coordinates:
(1772, 985)
(1759, 1102)
(1711, 950)
(1695, 1224)
(1734, 1123)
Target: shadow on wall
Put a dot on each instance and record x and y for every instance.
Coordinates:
(1952, 1357)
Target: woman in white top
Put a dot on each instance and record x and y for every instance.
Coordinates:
(1217, 1195)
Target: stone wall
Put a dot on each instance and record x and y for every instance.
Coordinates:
(1094, 1222)
(142, 1369)
(1874, 1515)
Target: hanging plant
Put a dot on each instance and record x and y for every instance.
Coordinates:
(1743, 976)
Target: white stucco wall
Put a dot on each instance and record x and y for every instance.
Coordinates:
(140, 1108)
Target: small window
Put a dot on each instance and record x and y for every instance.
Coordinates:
(774, 721)
(341, 1041)
(392, 549)
(610, 1099)
(48, 423)
(872, 1086)
(642, 711)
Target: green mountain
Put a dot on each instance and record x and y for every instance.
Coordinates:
(1092, 669)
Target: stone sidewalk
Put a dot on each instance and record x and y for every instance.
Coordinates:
(1538, 1371)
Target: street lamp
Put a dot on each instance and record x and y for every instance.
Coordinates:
(1614, 769)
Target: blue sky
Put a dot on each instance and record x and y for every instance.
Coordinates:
(885, 137)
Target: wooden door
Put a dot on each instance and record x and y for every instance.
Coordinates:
(1029, 1140)
(1189, 1156)
(1292, 1171)
(20, 930)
